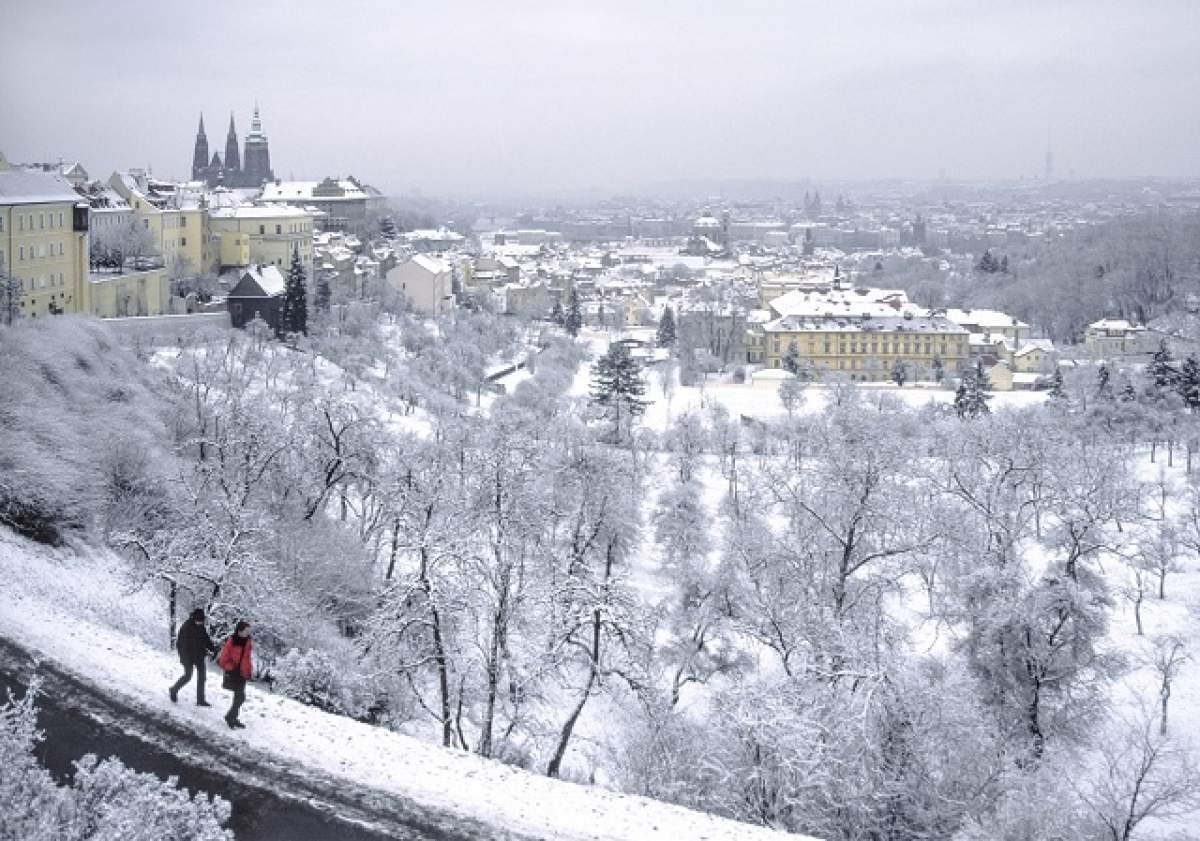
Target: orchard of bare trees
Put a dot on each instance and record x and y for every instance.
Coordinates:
(862, 622)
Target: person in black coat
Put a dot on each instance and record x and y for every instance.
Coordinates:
(193, 644)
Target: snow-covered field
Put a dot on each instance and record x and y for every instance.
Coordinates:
(103, 632)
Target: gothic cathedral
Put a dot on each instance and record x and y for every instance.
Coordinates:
(248, 170)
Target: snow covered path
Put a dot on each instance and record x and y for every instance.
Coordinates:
(450, 794)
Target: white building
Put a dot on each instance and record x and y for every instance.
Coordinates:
(426, 282)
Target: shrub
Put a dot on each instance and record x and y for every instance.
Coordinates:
(106, 802)
(323, 680)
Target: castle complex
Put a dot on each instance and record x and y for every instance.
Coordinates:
(247, 170)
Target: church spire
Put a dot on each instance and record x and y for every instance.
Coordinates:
(200, 152)
(233, 161)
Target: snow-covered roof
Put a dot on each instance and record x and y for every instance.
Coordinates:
(287, 191)
(32, 186)
(275, 211)
(430, 264)
(1031, 345)
(268, 278)
(988, 319)
(1113, 324)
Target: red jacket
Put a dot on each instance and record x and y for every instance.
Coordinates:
(235, 658)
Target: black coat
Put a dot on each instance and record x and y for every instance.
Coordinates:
(193, 643)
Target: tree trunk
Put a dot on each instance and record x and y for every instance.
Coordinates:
(1162, 583)
(172, 613)
(1137, 611)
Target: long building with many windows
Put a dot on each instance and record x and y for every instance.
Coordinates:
(44, 240)
(861, 333)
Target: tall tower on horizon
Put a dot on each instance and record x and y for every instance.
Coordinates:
(200, 153)
(257, 159)
(233, 160)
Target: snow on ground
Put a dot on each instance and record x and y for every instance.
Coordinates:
(45, 609)
(761, 400)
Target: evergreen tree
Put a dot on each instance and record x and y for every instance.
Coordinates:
(557, 315)
(574, 318)
(899, 372)
(387, 227)
(987, 263)
(970, 401)
(1004, 264)
(11, 291)
(618, 386)
(666, 328)
(1057, 392)
(324, 294)
(1103, 384)
(1162, 373)
(1189, 383)
(294, 318)
(939, 369)
(791, 359)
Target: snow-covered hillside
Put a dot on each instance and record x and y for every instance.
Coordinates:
(76, 610)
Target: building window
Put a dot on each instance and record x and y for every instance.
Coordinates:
(22, 254)
(279, 229)
(1, 224)
(183, 222)
(41, 221)
(21, 222)
(60, 249)
(60, 222)
(262, 229)
(183, 241)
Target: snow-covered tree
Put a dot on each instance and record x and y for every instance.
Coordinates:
(294, 316)
(666, 328)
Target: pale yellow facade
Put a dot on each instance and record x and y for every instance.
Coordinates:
(43, 241)
(263, 235)
(861, 355)
(130, 294)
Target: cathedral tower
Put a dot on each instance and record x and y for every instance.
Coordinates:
(258, 155)
(200, 153)
(233, 160)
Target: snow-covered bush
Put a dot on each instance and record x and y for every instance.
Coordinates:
(80, 430)
(106, 802)
(31, 805)
(325, 680)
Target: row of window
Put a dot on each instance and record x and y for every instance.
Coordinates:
(35, 251)
(295, 228)
(53, 280)
(43, 219)
(864, 347)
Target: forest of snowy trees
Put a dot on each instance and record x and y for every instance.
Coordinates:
(862, 622)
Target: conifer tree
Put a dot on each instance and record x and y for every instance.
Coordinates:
(557, 315)
(324, 294)
(791, 359)
(1057, 392)
(899, 372)
(11, 290)
(1162, 372)
(970, 401)
(666, 328)
(618, 386)
(1103, 384)
(1188, 383)
(295, 297)
(939, 369)
(574, 317)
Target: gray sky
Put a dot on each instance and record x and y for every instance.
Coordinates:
(488, 98)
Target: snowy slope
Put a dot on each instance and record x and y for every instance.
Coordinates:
(44, 607)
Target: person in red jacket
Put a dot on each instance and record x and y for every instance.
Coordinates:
(234, 659)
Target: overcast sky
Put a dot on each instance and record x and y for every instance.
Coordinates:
(491, 98)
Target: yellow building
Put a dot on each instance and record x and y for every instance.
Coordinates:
(863, 348)
(44, 240)
(115, 295)
(1114, 337)
(262, 236)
